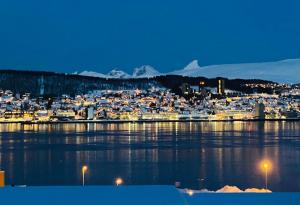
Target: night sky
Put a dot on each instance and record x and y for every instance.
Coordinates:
(73, 35)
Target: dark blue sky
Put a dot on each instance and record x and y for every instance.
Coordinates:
(69, 35)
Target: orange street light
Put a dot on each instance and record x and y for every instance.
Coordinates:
(190, 192)
(83, 170)
(119, 181)
(266, 166)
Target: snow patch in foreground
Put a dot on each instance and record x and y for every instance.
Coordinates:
(226, 189)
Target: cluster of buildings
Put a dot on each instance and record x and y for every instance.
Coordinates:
(156, 104)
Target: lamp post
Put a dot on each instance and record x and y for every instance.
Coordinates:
(83, 170)
(266, 167)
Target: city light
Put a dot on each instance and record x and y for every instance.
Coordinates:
(144, 106)
(119, 181)
(83, 170)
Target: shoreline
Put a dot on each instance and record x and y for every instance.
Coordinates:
(146, 121)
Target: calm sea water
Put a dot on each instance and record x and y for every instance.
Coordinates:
(197, 154)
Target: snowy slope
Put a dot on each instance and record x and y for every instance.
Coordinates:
(194, 65)
(116, 73)
(92, 74)
(145, 71)
(285, 71)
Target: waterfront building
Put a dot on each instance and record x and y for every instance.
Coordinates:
(259, 111)
(90, 113)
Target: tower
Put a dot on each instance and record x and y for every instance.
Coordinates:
(259, 111)
(221, 86)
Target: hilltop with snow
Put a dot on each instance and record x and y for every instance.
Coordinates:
(92, 74)
(145, 71)
(116, 73)
(284, 71)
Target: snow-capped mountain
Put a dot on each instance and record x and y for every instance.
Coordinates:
(145, 71)
(116, 73)
(92, 74)
(285, 71)
(194, 65)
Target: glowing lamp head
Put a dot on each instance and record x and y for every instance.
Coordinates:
(84, 168)
(119, 181)
(265, 165)
(190, 192)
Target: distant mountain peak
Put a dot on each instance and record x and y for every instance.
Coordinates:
(284, 71)
(192, 65)
(91, 74)
(117, 73)
(145, 71)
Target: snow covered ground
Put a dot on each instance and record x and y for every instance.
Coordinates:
(91, 195)
(284, 71)
(226, 189)
(281, 198)
(146, 195)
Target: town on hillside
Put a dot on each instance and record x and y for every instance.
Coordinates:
(155, 104)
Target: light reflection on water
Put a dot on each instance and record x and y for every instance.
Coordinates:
(197, 154)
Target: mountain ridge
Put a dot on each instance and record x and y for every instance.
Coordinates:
(283, 71)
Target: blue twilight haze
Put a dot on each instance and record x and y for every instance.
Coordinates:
(70, 35)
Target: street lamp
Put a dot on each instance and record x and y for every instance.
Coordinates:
(266, 166)
(119, 181)
(83, 170)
